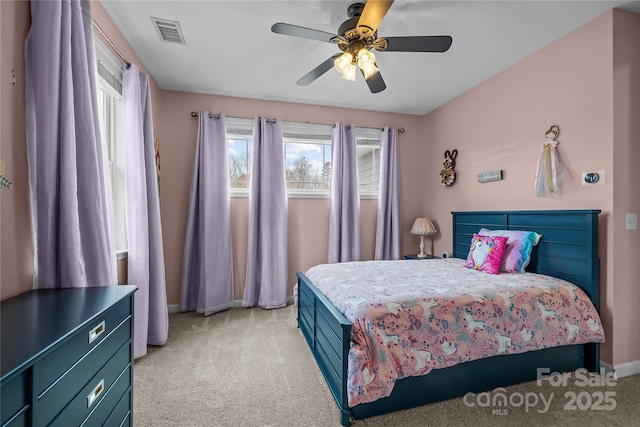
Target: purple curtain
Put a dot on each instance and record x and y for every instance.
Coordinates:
(144, 232)
(388, 232)
(207, 267)
(345, 243)
(267, 260)
(70, 192)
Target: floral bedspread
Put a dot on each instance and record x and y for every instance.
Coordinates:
(411, 317)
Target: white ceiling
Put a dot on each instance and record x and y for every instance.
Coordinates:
(230, 49)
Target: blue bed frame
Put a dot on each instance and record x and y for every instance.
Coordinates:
(568, 250)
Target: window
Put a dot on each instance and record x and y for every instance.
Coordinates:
(307, 150)
(240, 147)
(110, 112)
(240, 161)
(368, 149)
(307, 153)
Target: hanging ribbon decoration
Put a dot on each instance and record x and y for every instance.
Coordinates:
(549, 173)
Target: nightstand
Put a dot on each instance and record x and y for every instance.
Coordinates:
(415, 257)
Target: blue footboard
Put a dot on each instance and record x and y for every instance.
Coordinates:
(328, 334)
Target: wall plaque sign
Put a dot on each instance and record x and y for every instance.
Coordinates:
(490, 176)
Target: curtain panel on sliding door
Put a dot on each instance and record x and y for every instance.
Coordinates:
(144, 231)
(207, 267)
(71, 213)
(345, 243)
(388, 232)
(267, 260)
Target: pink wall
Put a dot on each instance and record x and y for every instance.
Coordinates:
(583, 84)
(16, 249)
(308, 218)
(626, 196)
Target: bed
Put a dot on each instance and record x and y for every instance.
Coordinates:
(568, 250)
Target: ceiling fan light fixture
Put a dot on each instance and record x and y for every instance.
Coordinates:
(367, 63)
(343, 62)
(365, 57)
(350, 74)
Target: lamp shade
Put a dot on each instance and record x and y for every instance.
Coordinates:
(423, 227)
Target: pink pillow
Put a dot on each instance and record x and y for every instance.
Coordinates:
(517, 254)
(486, 253)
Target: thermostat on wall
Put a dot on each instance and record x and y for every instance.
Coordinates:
(593, 177)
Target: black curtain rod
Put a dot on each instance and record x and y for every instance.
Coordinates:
(217, 116)
(401, 130)
(211, 116)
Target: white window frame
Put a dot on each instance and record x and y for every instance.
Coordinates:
(240, 128)
(369, 138)
(111, 111)
(312, 134)
(303, 133)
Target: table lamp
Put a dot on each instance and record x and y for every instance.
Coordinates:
(423, 227)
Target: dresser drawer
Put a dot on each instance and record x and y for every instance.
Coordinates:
(127, 421)
(101, 393)
(19, 420)
(65, 356)
(80, 375)
(121, 415)
(13, 397)
(104, 416)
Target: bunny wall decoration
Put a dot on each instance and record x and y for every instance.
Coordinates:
(448, 175)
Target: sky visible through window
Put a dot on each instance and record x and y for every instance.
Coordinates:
(239, 162)
(308, 165)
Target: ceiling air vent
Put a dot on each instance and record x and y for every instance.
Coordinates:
(169, 31)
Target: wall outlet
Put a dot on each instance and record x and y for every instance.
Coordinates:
(630, 221)
(593, 177)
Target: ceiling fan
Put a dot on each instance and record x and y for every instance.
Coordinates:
(356, 37)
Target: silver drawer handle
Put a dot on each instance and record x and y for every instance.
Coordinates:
(93, 396)
(96, 332)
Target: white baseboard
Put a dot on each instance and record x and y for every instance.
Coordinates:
(175, 308)
(607, 368)
(627, 369)
(238, 303)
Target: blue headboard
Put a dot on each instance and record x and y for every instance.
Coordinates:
(568, 248)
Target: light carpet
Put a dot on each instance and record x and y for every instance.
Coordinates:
(252, 367)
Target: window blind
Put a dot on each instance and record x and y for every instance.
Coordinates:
(109, 65)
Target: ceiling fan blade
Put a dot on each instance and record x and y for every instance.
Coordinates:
(376, 82)
(305, 33)
(317, 72)
(418, 44)
(374, 11)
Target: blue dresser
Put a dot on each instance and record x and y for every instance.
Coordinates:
(66, 358)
